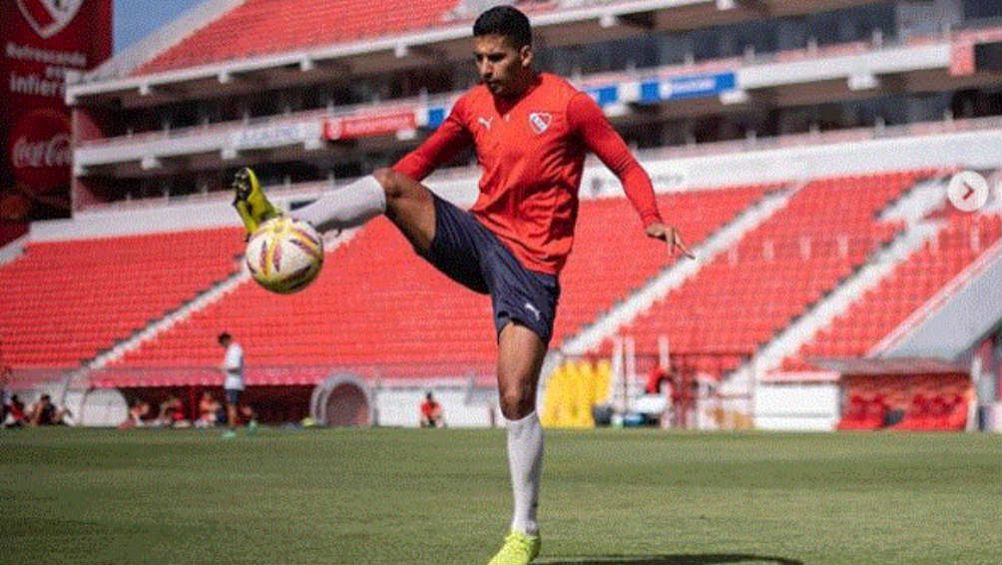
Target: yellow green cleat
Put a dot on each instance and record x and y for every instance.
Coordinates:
(518, 549)
(250, 201)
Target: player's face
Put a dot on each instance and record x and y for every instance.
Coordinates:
(502, 67)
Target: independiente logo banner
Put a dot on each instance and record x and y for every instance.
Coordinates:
(49, 17)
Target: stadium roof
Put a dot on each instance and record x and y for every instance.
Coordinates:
(899, 366)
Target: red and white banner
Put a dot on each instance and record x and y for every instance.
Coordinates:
(40, 40)
(372, 125)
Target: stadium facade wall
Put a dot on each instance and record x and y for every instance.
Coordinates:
(902, 59)
(797, 407)
(399, 406)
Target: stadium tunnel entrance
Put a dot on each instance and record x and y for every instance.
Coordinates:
(342, 400)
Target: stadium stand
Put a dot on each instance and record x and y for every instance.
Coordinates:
(608, 262)
(374, 302)
(960, 241)
(67, 301)
(741, 299)
(811, 257)
(260, 27)
(352, 315)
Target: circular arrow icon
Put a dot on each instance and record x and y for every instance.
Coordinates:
(968, 191)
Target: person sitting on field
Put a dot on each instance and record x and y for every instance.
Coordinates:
(208, 411)
(431, 413)
(172, 413)
(137, 412)
(15, 413)
(45, 413)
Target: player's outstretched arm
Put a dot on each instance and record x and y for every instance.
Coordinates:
(603, 140)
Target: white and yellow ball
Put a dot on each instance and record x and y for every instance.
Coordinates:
(285, 255)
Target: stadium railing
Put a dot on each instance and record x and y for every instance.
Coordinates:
(751, 144)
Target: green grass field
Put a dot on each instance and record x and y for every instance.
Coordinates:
(442, 497)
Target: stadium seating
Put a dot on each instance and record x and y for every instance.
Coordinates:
(216, 38)
(375, 302)
(67, 301)
(743, 297)
(613, 257)
(880, 310)
(261, 27)
(379, 308)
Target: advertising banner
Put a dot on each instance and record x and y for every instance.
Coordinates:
(264, 137)
(350, 127)
(40, 40)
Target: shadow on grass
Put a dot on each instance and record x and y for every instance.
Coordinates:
(682, 559)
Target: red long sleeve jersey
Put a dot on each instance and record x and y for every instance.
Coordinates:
(532, 151)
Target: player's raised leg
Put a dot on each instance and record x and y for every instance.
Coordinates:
(404, 201)
(410, 206)
(520, 358)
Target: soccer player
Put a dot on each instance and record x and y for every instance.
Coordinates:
(531, 132)
(233, 382)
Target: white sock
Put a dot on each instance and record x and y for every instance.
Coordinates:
(346, 207)
(525, 462)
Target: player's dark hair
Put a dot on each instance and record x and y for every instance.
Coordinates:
(504, 21)
(223, 337)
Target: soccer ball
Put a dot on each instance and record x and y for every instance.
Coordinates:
(285, 255)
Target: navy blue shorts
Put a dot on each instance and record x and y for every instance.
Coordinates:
(468, 253)
(233, 396)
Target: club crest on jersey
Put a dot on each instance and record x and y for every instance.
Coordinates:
(48, 17)
(540, 121)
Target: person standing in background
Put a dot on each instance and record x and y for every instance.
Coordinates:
(233, 381)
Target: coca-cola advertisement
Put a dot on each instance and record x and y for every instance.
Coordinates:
(41, 41)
